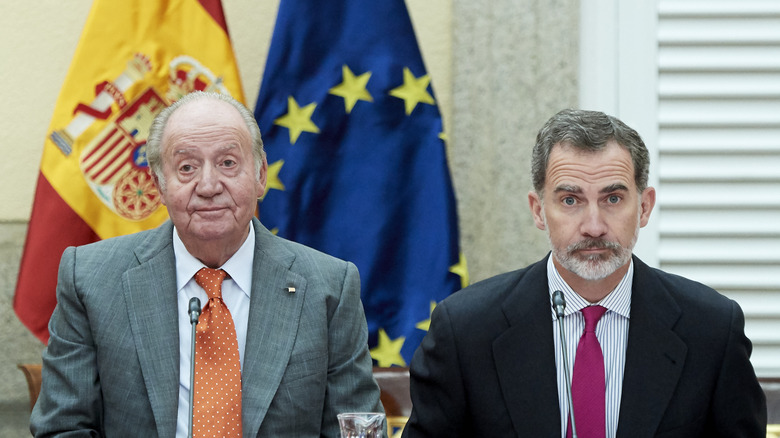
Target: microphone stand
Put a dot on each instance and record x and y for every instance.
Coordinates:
(194, 312)
(559, 304)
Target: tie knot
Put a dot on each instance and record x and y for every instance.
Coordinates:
(211, 281)
(592, 315)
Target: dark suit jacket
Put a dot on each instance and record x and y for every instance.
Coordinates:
(112, 364)
(486, 368)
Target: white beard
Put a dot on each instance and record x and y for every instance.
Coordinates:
(594, 266)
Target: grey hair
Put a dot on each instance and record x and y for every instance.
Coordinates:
(587, 131)
(154, 142)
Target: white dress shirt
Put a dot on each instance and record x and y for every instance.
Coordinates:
(236, 290)
(611, 331)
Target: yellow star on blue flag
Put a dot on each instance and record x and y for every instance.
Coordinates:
(273, 181)
(426, 324)
(352, 88)
(297, 119)
(388, 351)
(413, 91)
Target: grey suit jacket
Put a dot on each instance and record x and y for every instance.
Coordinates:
(487, 365)
(111, 367)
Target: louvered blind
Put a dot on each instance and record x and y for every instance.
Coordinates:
(718, 160)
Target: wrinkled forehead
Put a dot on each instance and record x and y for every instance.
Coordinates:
(570, 166)
(206, 119)
(205, 112)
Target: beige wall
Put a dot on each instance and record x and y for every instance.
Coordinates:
(500, 68)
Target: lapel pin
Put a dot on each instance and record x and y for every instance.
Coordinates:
(290, 290)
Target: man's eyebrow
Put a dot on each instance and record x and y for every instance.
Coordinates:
(568, 189)
(229, 146)
(617, 187)
(185, 150)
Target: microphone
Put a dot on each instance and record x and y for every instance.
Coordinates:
(194, 312)
(559, 305)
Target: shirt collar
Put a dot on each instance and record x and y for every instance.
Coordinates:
(238, 267)
(618, 301)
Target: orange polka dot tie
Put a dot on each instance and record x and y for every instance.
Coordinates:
(217, 397)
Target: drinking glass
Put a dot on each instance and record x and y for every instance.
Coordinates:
(362, 424)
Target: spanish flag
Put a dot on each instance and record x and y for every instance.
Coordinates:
(133, 59)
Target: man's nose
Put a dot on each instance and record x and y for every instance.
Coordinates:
(209, 183)
(593, 223)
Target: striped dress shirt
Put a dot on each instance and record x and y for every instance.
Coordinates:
(611, 331)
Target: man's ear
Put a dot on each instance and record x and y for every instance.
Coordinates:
(261, 184)
(157, 185)
(535, 202)
(647, 204)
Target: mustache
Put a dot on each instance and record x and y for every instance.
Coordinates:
(593, 244)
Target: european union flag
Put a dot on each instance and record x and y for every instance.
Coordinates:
(357, 160)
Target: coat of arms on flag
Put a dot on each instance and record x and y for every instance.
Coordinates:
(113, 161)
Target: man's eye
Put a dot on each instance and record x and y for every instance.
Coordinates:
(229, 163)
(185, 168)
(613, 199)
(569, 200)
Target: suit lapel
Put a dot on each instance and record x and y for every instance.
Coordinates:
(150, 293)
(525, 357)
(655, 356)
(274, 315)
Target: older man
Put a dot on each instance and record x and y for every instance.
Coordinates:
(649, 353)
(282, 339)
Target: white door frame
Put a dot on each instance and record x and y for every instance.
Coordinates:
(619, 76)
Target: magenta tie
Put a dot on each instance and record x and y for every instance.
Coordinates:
(587, 382)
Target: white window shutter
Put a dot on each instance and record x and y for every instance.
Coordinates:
(714, 135)
(719, 156)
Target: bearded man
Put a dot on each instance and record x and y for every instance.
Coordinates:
(633, 351)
